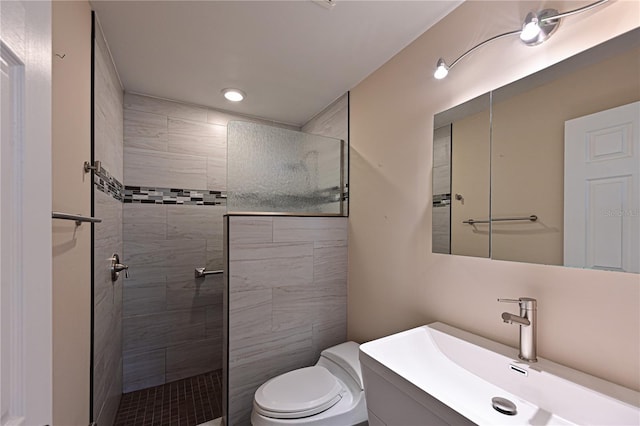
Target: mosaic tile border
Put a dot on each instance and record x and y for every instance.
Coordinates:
(441, 200)
(193, 197)
(108, 184)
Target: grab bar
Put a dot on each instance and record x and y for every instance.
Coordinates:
(78, 219)
(531, 218)
(200, 272)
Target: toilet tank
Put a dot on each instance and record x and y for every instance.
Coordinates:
(345, 355)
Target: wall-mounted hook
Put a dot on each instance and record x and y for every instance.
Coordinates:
(61, 56)
(460, 198)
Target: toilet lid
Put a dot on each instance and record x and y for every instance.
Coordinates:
(298, 393)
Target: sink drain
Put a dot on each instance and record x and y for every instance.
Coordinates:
(504, 406)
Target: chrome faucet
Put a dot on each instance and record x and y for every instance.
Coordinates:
(527, 322)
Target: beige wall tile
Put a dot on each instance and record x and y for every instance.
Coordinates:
(171, 145)
(107, 413)
(144, 370)
(185, 326)
(194, 222)
(259, 251)
(160, 330)
(279, 316)
(108, 119)
(309, 229)
(251, 229)
(330, 262)
(441, 235)
(108, 233)
(107, 361)
(177, 257)
(144, 130)
(213, 321)
(164, 107)
(295, 305)
(254, 361)
(144, 222)
(328, 334)
(295, 341)
(220, 117)
(144, 295)
(268, 273)
(215, 255)
(217, 172)
(190, 292)
(249, 314)
(193, 358)
(197, 138)
(164, 170)
(143, 333)
(107, 327)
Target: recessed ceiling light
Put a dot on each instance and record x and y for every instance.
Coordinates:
(233, 95)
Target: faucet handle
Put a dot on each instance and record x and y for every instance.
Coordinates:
(524, 302)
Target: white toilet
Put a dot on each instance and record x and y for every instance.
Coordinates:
(330, 393)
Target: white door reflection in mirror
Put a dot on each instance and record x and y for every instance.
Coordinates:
(602, 190)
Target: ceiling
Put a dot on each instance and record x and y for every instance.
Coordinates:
(292, 58)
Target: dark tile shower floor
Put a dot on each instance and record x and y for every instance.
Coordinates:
(186, 402)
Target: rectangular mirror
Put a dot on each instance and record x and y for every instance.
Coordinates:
(564, 166)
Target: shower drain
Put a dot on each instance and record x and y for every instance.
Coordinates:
(504, 406)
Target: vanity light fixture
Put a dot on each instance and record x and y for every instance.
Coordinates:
(537, 27)
(233, 95)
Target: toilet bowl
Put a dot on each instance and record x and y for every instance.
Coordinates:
(331, 393)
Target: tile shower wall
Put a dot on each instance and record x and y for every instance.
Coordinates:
(287, 299)
(441, 241)
(175, 176)
(107, 302)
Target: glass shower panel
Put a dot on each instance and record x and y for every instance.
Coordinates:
(276, 170)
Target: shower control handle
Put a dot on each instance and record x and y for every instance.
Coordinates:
(117, 267)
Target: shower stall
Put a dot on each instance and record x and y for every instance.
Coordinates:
(169, 179)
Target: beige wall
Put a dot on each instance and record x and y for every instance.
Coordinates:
(71, 193)
(470, 155)
(588, 320)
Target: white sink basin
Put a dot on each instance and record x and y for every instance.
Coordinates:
(464, 372)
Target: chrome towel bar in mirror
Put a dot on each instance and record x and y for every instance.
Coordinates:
(532, 218)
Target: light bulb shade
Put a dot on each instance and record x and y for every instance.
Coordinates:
(441, 69)
(537, 27)
(233, 95)
(530, 29)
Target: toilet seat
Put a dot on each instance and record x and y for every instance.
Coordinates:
(298, 393)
